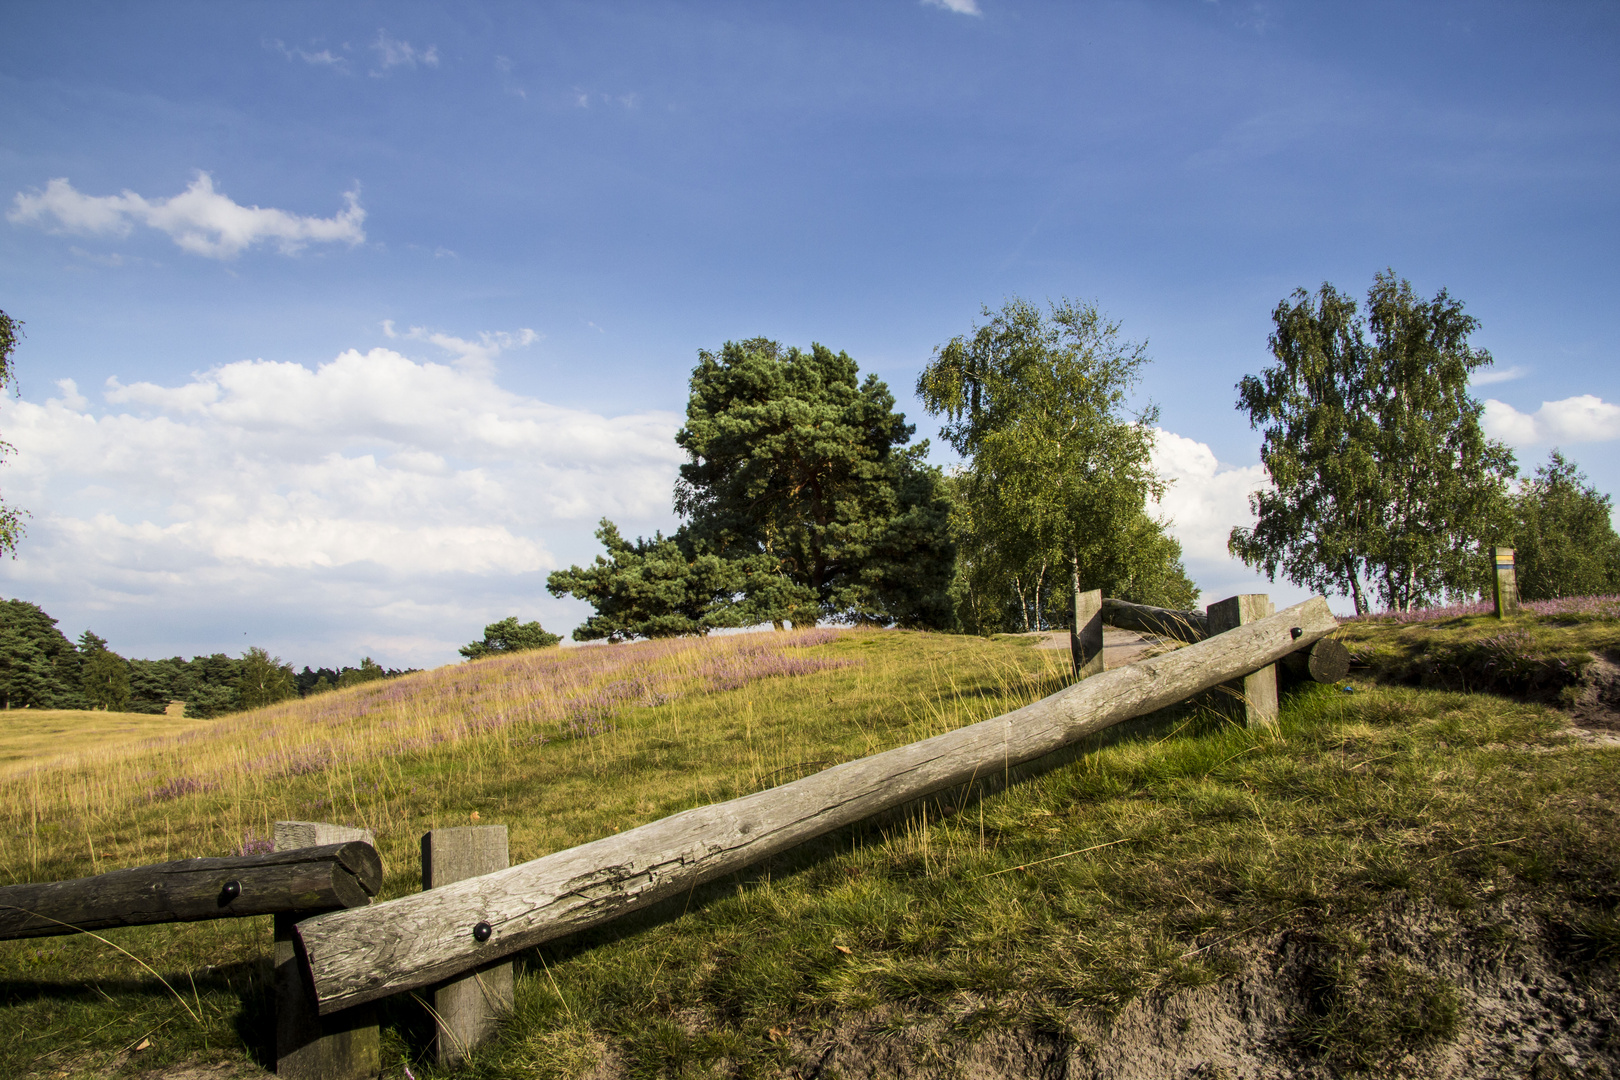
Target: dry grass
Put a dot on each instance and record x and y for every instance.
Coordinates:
(563, 746)
(30, 738)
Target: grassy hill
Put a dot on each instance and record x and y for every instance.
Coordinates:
(1398, 879)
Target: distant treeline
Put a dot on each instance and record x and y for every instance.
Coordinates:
(41, 669)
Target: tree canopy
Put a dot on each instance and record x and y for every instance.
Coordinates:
(796, 460)
(507, 636)
(1563, 536)
(1380, 470)
(11, 528)
(674, 586)
(1054, 493)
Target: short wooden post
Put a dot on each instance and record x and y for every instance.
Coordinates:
(345, 1045)
(1507, 583)
(465, 1010)
(1086, 636)
(1253, 698)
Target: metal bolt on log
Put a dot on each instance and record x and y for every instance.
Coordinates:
(336, 875)
(369, 953)
(465, 1010)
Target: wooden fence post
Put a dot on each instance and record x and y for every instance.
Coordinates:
(1507, 583)
(1253, 698)
(1086, 636)
(340, 1046)
(465, 1010)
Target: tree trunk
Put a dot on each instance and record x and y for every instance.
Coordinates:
(1355, 585)
(365, 955)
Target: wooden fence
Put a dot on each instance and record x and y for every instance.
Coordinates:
(336, 953)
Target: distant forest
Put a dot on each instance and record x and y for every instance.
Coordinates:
(41, 669)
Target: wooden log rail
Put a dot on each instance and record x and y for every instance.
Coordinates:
(1325, 661)
(1189, 626)
(364, 955)
(334, 876)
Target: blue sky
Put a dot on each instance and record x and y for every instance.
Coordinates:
(345, 323)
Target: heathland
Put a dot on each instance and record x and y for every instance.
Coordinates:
(1405, 876)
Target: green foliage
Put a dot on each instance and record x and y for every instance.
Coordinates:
(11, 528)
(509, 635)
(104, 673)
(207, 684)
(1379, 467)
(1564, 541)
(800, 469)
(1054, 494)
(368, 671)
(673, 586)
(39, 667)
(264, 680)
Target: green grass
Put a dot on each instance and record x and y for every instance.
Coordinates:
(1158, 860)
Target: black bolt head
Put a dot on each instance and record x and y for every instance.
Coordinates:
(482, 932)
(230, 892)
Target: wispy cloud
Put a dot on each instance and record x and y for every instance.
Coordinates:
(1486, 378)
(1583, 418)
(961, 7)
(480, 353)
(392, 53)
(324, 58)
(200, 220)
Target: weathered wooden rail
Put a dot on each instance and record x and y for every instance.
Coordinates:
(1325, 661)
(364, 955)
(309, 879)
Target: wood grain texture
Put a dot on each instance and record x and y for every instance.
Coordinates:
(367, 954)
(467, 1009)
(190, 890)
(1252, 699)
(1086, 635)
(343, 1046)
(1146, 619)
(1327, 661)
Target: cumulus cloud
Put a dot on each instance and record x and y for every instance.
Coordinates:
(377, 497)
(961, 7)
(1583, 418)
(1205, 501)
(200, 219)
(391, 53)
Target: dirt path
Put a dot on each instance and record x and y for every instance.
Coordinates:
(1120, 647)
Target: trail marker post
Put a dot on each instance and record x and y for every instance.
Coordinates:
(466, 1009)
(1506, 583)
(1253, 698)
(339, 1046)
(1086, 636)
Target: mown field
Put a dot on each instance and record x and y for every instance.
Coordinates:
(1397, 866)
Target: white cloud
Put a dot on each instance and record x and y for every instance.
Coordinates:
(391, 52)
(324, 58)
(480, 353)
(961, 7)
(373, 498)
(1205, 501)
(1486, 378)
(1583, 418)
(200, 220)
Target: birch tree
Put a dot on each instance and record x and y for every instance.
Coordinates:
(1382, 478)
(1054, 492)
